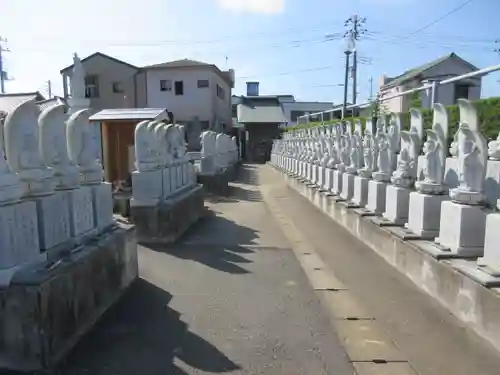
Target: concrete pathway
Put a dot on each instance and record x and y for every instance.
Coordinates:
(230, 298)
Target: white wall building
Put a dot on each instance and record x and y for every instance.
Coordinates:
(443, 68)
(190, 88)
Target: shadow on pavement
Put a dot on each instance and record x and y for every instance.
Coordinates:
(143, 335)
(215, 242)
(247, 175)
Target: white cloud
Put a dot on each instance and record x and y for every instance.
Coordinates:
(254, 6)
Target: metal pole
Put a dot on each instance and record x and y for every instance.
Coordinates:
(354, 76)
(2, 75)
(433, 93)
(346, 83)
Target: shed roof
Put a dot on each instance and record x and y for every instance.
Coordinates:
(129, 114)
(10, 101)
(249, 113)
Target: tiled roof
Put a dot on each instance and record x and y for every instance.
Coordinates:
(177, 64)
(102, 55)
(10, 101)
(128, 114)
(255, 113)
(413, 73)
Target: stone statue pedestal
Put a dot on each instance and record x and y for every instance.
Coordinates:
(315, 171)
(53, 221)
(347, 186)
(462, 229)
(19, 239)
(81, 213)
(179, 172)
(424, 214)
(360, 197)
(185, 173)
(321, 176)
(397, 203)
(309, 172)
(377, 191)
(338, 178)
(490, 262)
(102, 202)
(295, 168)
(166, 189)
(146, 188)
(328, 186)
(207, 165)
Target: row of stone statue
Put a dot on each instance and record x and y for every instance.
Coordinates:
(41, 152)
(381, 174)
(218, 151)
(390, 154)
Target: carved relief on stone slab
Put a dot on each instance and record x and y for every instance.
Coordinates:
(22, 149)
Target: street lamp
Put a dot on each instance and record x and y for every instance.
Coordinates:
(348, 49)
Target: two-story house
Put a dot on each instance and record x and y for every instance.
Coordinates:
(443, 68)
(191, 88)
(186, 88)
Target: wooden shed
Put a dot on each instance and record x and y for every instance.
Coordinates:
(114, 131)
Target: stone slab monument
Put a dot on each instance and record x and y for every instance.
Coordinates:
(166, 199)
(65, 259)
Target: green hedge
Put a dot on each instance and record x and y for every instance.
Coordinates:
(488, 110)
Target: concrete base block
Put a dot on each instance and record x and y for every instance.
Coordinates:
(462, 229)
(337, 181)
(404, 233)
(347, 186)
(424, 214)
(471, 269)
(49, 306)
(360, 191)
(382, 221)
(397, 202)
(364, 212)
(377, 192)
(217, 183)
(166, 222)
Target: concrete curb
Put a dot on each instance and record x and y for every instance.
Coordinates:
(475, 305)
(367, 345)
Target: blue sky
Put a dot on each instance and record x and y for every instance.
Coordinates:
(281, 43)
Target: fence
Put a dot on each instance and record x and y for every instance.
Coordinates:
(432, 86)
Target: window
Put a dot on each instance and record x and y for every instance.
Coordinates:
(202, 83)
(117, 87)
(220, 92)
(179, 88)
(234, 111)
(91, 87)
(165, 85)
(461, 91)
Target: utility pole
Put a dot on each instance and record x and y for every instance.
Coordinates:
(356, 29)
(49, 88)
(371, 87)
(3, 74)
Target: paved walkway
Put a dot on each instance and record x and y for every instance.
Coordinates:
(230, 298)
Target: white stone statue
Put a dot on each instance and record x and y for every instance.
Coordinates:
(494, 149)
(54, 146)
(161, 131)
(11, 189)
(472, 157)
(23, 152)
(384, 167)
(81, 149)
(77, 85)
(435, 153)
(155, 141)
(406, 171)
(145, 158)
(393, 136)
(454, 146)
(181, 142)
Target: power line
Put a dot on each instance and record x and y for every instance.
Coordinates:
(442, 17)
